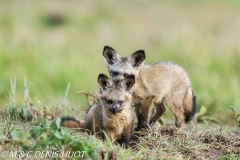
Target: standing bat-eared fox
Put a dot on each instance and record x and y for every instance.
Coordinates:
(162, 83)
(114, 115)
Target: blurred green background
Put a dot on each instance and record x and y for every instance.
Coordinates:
(53, 43)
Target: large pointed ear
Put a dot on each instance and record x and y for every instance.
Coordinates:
(137, 59)
(104, 82)
(110, 56)
(128, 82)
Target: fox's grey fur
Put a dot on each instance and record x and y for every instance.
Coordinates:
(114, 114)
(162, 83)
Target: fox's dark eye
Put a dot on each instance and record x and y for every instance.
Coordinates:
(115, 73)
(120, 102)
(125, 74)
(109, 101)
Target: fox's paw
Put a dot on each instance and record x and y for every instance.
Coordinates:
(142, 127)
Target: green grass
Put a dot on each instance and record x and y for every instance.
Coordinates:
(54, 43)
(163, 142)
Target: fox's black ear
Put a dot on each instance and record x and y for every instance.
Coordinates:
(137, 59)
(128, 82)
(104, 82)
(110, 56)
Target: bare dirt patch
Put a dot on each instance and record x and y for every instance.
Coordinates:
(210, 143)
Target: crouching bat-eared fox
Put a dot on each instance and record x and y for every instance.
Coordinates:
(161, 83)
(114, 114)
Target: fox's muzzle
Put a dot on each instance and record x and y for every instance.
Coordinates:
(115, 110)
(117, 79)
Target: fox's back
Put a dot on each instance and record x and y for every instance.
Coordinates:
(162, 78)
(93, 120)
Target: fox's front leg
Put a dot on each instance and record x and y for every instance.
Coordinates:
(144, 112)
(138, 109)
(125, 137)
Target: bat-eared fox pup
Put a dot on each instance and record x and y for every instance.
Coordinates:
(114, 114)
(162, 83)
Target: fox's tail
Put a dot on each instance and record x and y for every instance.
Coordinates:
(190, 105)
(70, 122)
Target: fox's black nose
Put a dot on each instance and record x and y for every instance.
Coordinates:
(113, 110)
(118, 80)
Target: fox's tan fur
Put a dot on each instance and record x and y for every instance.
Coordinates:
(162, 83)
(114, 114)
